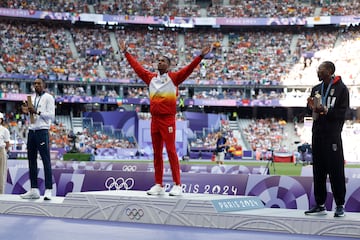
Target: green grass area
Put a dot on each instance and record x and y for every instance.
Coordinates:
(288, 169)
(77, 157)
(281, 168)
(276, 168)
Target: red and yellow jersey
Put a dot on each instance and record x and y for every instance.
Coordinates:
(163, 89)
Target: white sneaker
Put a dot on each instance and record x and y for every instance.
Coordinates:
(33, 193)
(48, 194)
(156, 190)
(176, 190)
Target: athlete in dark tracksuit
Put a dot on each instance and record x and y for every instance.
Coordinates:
(328, 157)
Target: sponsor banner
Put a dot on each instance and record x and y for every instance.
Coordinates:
(261, 21)
(215, 102)
(274, 191)
(14, 96)
(345, 20)
(175, 21)
(132, 19)
(191, 183)
(17, 76)
(28, 13)
(205, 21)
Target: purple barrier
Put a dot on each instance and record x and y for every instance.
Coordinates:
(148, 167)
(194, 155)
(115, 153)
(206, 155)
(274, 191)
(145, 167)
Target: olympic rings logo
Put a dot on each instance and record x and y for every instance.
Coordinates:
(134, 213)
(119, 183)
(129, 168)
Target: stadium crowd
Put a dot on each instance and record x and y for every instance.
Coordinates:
(75, 55)
(189, 8)
(278, 58)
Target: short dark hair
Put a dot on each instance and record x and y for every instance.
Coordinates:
(330, 65)
(42, 79)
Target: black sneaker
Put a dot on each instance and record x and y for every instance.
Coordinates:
(316, 211)
(339, 211)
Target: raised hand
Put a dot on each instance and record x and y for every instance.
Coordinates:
(310, 102)
(206, 50)
(123, 46)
